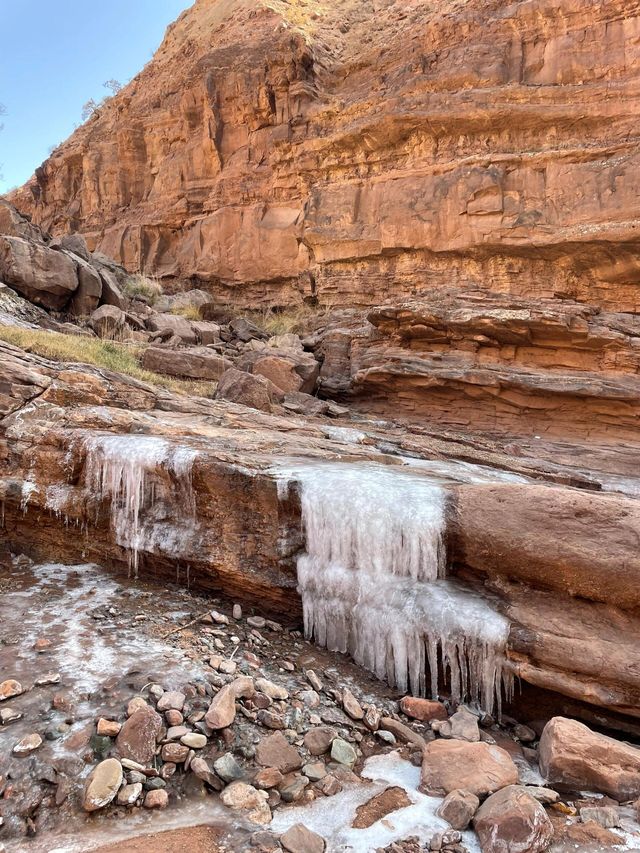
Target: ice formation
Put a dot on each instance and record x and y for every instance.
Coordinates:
(372, 582)
(148, 510)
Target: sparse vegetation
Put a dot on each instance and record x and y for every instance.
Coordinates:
(111, 355)
(90, 106)
(296, 320)
(142, 285)
(189, 312)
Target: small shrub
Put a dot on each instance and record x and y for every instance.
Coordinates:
(297, 320)
(142, 285)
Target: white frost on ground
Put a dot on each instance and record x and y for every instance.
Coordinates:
(332, 817)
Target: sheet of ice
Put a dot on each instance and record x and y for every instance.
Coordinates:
(332, 817)
(148, 481)
(372, 584)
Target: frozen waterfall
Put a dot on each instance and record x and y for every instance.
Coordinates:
(149, 511)
(372, 581)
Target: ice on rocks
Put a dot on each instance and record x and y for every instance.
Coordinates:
(372, 581)
(127, 470)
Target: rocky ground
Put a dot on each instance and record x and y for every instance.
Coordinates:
(123, 700)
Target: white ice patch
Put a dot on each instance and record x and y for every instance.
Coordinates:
(149, 511)
(372, 584)
(332, 817)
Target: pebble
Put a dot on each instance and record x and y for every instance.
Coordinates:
(108, 728)
(229, 667)
(9, 689)
(128, 795)
(343, 752)
(194, 740)
(256, 621)
(319, 740)
(103, 785)
(176, 753)
(245, 797)
(329, 786)
(299, 839)
(351, 705)
(315, 771)
(228, 768)
(158, 799)
(268, 777)
(172, 700)
(156, 691)
(270, 720)
(313, 680)
(292, 791)
(386, 736)
(49, 678)
(129, 764)
(219, 618)
(9, 715)
(135, 705)
(273, 691)
(173, 718)
(29, 743)
(237, 612)
(176, 732)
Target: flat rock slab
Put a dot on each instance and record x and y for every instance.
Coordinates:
(390, 800)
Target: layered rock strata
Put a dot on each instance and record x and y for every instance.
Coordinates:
(236, 530)
(354, 151)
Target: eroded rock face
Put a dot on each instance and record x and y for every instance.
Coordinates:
(362, 152)
(45, 277)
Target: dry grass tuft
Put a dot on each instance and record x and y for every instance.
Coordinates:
(296, 320)
(142, 285)
(189, 312)
(111, 355)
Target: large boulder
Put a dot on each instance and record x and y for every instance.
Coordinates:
(14, 224)
(189, 363)
(111, 293)
(290, 370)
(574, 756)
(238, 386)
(87, 296)
(74, 243)
(512, 821)
(107, 321)
(43, 276)
(174, 323)
(479, 768)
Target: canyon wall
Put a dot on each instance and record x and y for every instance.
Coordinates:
(274, 150)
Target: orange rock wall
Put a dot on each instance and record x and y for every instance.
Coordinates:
(364, 149)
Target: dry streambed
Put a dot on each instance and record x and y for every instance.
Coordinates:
(130, 708)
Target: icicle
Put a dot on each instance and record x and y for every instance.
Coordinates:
(125, 470)
(372, 582)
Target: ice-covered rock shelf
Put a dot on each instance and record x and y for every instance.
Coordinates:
(372, 581)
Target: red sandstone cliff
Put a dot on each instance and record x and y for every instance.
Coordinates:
(361, 149)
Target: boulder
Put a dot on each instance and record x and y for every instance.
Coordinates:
(242, 797)
(244, 330)
(222, 710)
(177, 325)
(238, 386)
(43, 276)
(574, 756)
(74, 243)
(14, 224)
(111, 293)
(103, 785)
(276, 751)
(207, 333)
(138, 736)
(512, 821)
(293, 371)
(191, 363)
(479, 768)
(458, 808)
(107, 321)
(87, 296)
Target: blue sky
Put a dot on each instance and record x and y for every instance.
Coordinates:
(55, 56)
